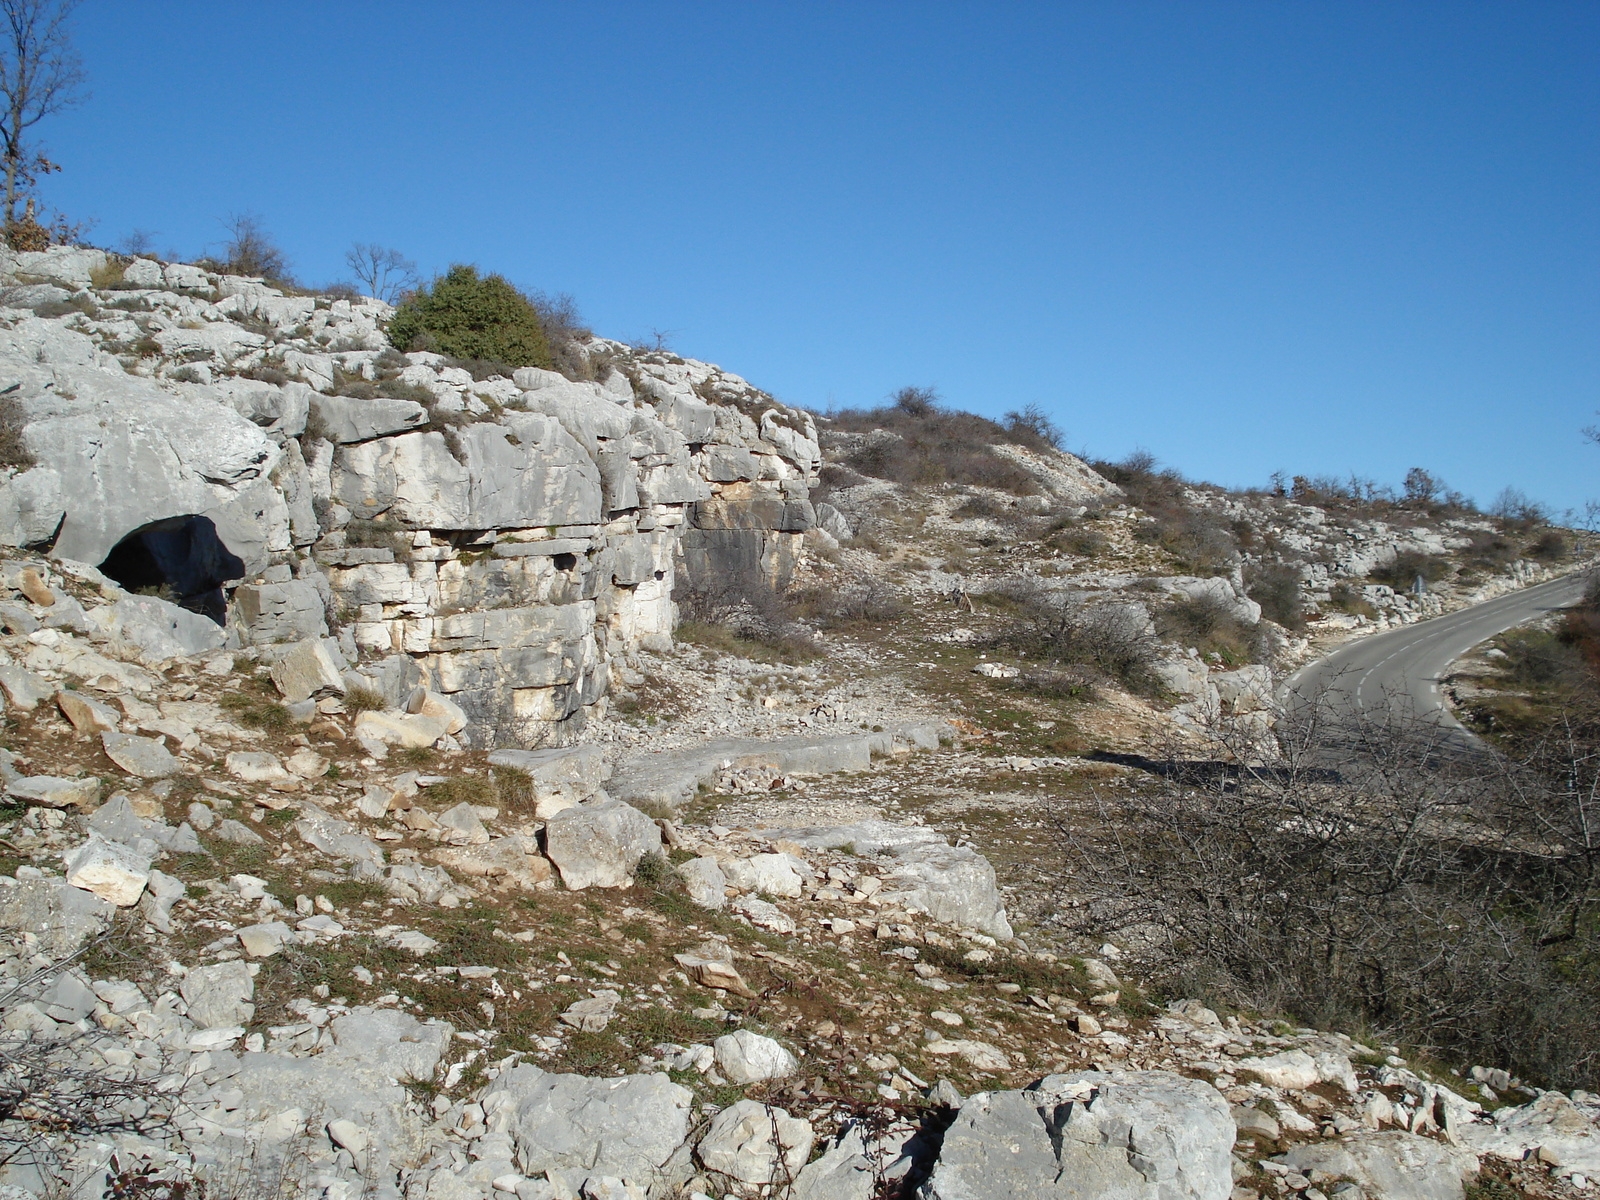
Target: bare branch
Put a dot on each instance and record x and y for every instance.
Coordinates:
(384, 272)
(40, 74)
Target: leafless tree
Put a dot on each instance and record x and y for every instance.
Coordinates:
(382, 271)
(917, 401)
(40, 74)
(250, 249)
(138, 243)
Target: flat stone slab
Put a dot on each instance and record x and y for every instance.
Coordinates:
(671, 778)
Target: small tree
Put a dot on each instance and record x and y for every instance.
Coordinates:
(1033, 426)
(917, 401)
(1422, 488)
(40, 74)
(466, 315)
(251, 250)
(382, 271)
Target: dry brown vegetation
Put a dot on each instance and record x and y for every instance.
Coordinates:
(1367, 877)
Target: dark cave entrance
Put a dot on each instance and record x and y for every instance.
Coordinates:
(181, 559)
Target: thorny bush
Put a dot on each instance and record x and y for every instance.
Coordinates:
(1366, 873)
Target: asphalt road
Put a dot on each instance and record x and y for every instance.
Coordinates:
(1406, 665)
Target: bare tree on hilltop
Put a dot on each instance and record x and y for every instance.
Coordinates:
(384, 272)
(40, 74)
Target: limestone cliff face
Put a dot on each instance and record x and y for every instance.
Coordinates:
(502, 540)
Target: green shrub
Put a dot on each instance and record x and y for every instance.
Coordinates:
(468, 316)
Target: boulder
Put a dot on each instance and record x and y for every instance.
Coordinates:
(364, 1090)
(339, 839)
(265, 939)
(744, 1057)
(219, 995)
(1391, 1164)
(704, 881)
(59, 914)
(425, 703)
(627, 1126)
(309, 667)
(746, 1139)
(1248, 689)
(558, 778)
(954, 885)
(267, 613)
(715, 971)
(145, 757)
(465, 824)
(31, 507)
(158, 629)
(308, 764)
(842, 1172)
(255, 766)
(50, 791)
(1296, 1070)
(1089, 1135)
(397, 1042)
(398, 729)
(23, 688)
(115, 873)
(137, 456)
(773, 874)
(600, 844)
(515, 859)
(87, 715)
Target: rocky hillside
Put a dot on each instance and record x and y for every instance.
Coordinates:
(502, 539)
(378, 824)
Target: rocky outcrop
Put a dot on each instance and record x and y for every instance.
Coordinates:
(511, 538)
(1089, 1135)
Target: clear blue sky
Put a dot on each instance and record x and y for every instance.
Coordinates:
(1310, 236)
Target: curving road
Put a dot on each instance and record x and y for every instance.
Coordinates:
(1407, 664)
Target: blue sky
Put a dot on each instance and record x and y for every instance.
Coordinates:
(1317, 237)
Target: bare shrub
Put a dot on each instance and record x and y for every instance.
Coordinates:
(14, 450)
(1061, 630)
(1276, 587)
(916, 441)
(1410, 565)
(1207, 624)
(741, 613)
(566, 331)
(251, 250)
(1515, 512)
(868, 599)
(1364, 877)
(980, 506)
(1031, 426)
(916, 401)
(1550, 546)
(1347, 598)
(364, 699)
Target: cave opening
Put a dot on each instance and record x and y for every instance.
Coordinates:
(180, 559)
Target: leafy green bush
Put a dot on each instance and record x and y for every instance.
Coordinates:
(469, 316)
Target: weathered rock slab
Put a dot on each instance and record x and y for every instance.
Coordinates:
(1089, 1135)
